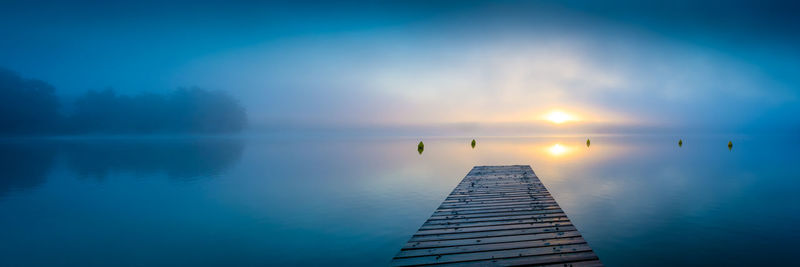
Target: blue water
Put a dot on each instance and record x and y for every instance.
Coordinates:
(638, 200)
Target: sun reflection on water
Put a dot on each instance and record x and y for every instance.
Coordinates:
(558, 150)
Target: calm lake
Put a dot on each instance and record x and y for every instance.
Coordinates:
(638, 200)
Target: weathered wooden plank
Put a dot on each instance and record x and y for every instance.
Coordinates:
(489, 195)
(489, 247)
(491, 228)
(492, 219)
(493, 233)
(506, 198)
(495, 214)
(499, 190)
(528, 190)
(496, 186)
(490, 203)
(551, 259)
(498, 215)
(494, 200)
(487, 189)
(520, 204)
(590, 263)
(557, 217)
(476, 195)
(493, 204)
(490, 240)
(495, 209)
(488, 255)
(475, 199)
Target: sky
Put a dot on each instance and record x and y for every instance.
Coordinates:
(488, 67)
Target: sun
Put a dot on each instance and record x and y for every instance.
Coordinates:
(559, 117)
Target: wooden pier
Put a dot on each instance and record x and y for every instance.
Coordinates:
(498, 216)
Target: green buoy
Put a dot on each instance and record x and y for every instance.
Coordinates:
(420, 147)
(680, 142)
(588, 143)
(730, 145)
(473, 143)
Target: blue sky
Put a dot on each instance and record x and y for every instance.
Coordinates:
(615, 65)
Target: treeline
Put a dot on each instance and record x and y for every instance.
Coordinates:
(29, 106)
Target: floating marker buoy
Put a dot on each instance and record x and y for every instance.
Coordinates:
(420, 147)
(680, 142)
(588, 143)
(473, 143)
(730, 145)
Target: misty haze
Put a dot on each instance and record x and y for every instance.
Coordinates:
(399, 133)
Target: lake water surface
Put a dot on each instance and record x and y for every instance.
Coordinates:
(638, 200)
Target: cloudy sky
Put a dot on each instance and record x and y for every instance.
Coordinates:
(610, 66)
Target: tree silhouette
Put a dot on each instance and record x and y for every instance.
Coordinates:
(190, 110)
(31, 107)
(27, 106)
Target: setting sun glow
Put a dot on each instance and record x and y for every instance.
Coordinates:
(559, 117)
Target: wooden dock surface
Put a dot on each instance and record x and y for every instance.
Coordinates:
(498, 216)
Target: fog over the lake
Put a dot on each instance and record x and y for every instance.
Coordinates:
(448, 67)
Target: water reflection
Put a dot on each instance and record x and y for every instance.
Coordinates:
(26, 164)
(627, 195)
(178, 159)
(558, 150)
